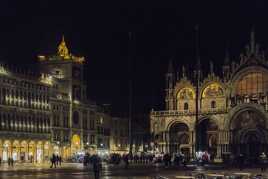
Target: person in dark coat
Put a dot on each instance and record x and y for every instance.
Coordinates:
(263, 159)
(53, 161)
(126, 161)
(241, 161)
(96, 166)
(60, 160)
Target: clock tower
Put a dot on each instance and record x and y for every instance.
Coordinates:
(66, 71)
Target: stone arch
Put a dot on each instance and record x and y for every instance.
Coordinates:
(207, 135)
(185, 94)
(212, 89)
(15, 150)
(179, 134)
(242, 73)
(173, 122)
(6, 150)
(235, 111)
(39, 151)
(248, 129)
(23, 150)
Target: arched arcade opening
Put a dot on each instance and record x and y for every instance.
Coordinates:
(179, 138)
(207, 136)
(249, 134)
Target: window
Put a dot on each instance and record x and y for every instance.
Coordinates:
(92, 124)
(75, 118)
(92, 139)
(213, 104)
(252, 83)
(186, 106)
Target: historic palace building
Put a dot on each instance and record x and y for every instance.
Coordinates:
(47, 111)
(232, 112)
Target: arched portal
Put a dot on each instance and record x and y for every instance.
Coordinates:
(249, 135)
(206, 136)
(39, 152)
(76, 144)
(23, 150)
(15, 150)
(46, 151)
(31, 154)
(6, 150)
(178, 135)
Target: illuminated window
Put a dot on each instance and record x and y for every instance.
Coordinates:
(186, 106)
(252, 83)
(213, 104)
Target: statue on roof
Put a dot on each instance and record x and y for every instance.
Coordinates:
(63, 50)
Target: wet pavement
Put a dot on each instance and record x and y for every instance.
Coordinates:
(77, 171)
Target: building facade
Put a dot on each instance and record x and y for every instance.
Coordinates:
(119, 135)
(232, 109)
(47, 111)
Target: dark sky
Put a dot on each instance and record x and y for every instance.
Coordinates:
(100, 33)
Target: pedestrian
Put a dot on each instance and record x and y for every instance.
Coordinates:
(57, 160)
(263, 159)
(96, 166)
(126, 161)
(241, 161)
(8, 161)
(60, 160)
(53, 161)
(11, 161)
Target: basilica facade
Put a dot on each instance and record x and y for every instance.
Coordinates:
(223, 112)
(46, 110)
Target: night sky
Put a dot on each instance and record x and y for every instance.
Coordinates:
(100, 33)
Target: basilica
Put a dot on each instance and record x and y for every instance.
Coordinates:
(46, 110)
(224, 112)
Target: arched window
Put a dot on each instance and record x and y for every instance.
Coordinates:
(75, 118)
(186, 106)
(252, 83)
(213, 104)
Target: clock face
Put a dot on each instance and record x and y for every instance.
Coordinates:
(58, 73)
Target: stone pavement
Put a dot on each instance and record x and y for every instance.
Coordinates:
(78, 171)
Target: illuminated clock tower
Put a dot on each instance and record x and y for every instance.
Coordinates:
(68, 88)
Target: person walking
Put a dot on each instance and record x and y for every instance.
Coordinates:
(60, 160)
(57, 160)
(96, 166)
(126, 161)
(241, 161)
(263, 160)
(11, 162)
(53, 161)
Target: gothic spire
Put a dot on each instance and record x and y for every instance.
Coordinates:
(170, 66)
(183, 72)
(252, 41)
(227, 57)
(211, 67)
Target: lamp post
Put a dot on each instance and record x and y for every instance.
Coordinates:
(197, 77)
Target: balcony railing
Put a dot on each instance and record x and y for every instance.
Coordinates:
(187, 112)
